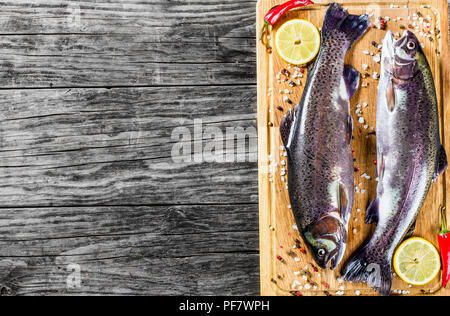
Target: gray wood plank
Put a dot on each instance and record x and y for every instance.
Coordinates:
(174, 20)
(114, 146)
(126, 43)
(36, 61)
(209, 250)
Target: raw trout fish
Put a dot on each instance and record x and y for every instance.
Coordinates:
(410, 157)
(317, 135)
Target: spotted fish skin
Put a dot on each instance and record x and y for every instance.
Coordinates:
(410, 157)
(317, 135)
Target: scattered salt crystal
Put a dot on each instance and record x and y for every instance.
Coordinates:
(294, 227)
(366, 126)
(307, 286)
(296, 272)
(289, 206)
(365, 66)
(305, 278)
(358, 210)
(340, 280)
(357, 293)
(354, 231)
(377, 58)
(295, 284)
(297, 259)
(361, 120)
(366, 52)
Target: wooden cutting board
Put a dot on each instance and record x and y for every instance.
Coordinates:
(282, 263)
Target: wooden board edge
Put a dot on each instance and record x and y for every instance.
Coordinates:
(266, 287)
(445, 54)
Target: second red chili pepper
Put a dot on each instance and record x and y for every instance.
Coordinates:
(444, 246)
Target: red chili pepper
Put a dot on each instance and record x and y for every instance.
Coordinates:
(444, 246)
(277, 12)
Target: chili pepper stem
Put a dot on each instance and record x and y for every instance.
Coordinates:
(264, 31)
(444, 229)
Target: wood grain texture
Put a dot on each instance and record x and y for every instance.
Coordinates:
(186, 250)
(113, 147)
(87, 173)
(126, 43)
(277, 226)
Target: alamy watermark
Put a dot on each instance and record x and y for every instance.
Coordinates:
(73, 280)
(200, 143)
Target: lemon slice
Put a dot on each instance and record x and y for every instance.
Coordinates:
(297, 41)
(417, 261)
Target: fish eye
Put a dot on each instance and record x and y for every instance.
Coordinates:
(321, 252)
(411, 45)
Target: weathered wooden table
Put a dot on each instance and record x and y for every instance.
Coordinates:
(91, 201)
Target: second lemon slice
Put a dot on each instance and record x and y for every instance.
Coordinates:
(417, 261)
(297, 42)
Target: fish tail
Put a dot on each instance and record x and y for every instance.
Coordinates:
(376, 272)
(352, 27)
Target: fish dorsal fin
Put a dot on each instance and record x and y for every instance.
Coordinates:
(350, 130)
(442, 164)
(286, 124)
(380, 167)
(390, 96)
(352, 79)
(372, 212)
(342, 200)
(411, 231)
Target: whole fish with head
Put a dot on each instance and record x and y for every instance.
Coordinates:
(317, 135)
(410, 157)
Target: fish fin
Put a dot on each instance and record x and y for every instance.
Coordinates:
(410, 231)
(442, 164)
(352, 26)
(350, 129)
(375, 272)
(372, 212)
(286, 124)
(342, 200)
(390, 96)
(352, 79)
(310, 68)
(380, 168)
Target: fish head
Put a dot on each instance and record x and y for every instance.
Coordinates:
(326, 240)
(400, 57)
